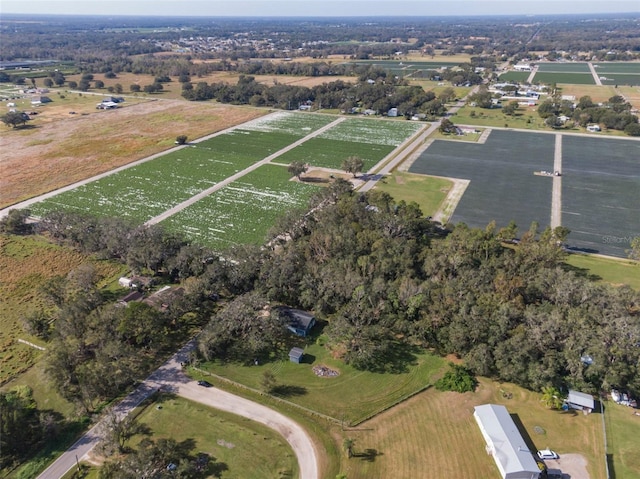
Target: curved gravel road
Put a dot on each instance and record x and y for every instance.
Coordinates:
(170, 378)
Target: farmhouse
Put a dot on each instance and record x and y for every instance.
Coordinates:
(580, 401)
(299, 322)
(505, 443)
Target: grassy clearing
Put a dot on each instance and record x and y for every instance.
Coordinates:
(428, 192)
(244, 449)
(436, 431)
(611, 271)
(596, 92)
(352, 396)
(525, 118)
(243, 211)
(514, 76)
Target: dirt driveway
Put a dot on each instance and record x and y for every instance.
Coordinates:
(568, 466)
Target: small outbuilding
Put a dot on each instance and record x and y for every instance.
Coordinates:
(295, 355)
(580, 401)
(505, 443)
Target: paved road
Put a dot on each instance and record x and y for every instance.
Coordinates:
(170, 378)
(556, 192)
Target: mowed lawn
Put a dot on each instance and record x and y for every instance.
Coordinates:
(435, 435)
(243, 449)
(608, 270)
(601, 193)
(352, 396)
(243, 211)
(502, 185)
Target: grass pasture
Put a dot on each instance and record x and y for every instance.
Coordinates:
(503, 186)
(514, 76)
(352, 396)
(436, 432)
(243, 211)
(601, 193)
(525, 118)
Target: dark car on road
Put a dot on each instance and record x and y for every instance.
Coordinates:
(205, 384)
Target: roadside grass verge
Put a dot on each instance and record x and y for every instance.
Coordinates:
(427, 191)
(616, 272)
(350, 397)
(436, 430)
(243, 211)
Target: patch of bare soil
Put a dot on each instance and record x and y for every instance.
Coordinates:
(52, 154)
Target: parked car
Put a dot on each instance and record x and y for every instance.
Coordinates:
(547, 454)
(205, 384)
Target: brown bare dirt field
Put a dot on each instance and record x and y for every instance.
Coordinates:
(50, 154)
(435, 435)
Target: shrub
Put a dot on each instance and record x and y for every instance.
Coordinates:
(457, 378)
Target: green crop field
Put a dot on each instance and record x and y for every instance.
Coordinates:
(297, 124)
(326, 153)
(242, 212)
(514, 76)
(618, 67)
(621, 79)
(148, 189)
(564, 67)
(369, 139)
(563, 77)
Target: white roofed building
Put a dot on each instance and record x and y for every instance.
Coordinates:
(505, 443)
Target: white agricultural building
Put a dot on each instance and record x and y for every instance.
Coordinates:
(505, 443)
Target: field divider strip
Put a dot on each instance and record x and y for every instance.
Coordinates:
(556, 191)
(240, 174)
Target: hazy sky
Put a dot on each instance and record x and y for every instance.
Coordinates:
(316, 7)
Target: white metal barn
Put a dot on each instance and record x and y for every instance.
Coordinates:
(505, 443)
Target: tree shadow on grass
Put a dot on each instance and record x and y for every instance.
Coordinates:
(396, 359)
(582, 272)
(289, 390)
(368, 455)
